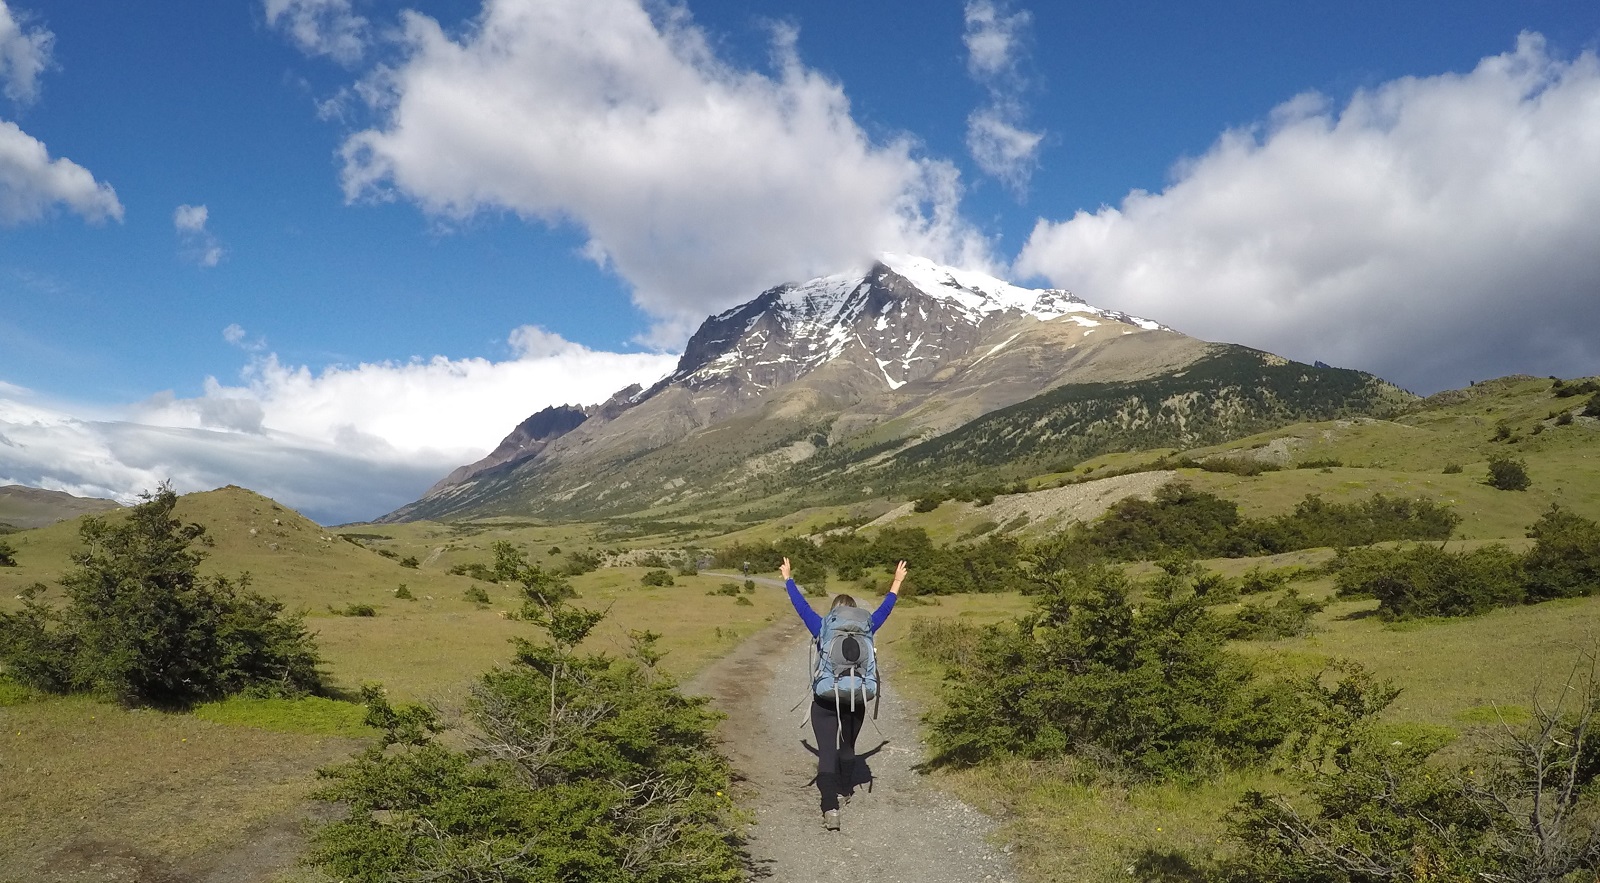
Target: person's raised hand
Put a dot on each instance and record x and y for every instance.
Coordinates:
(784, 570)
(899, 576)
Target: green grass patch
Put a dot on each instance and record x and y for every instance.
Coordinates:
(1514, 715)
(13, 693)
(312, 715)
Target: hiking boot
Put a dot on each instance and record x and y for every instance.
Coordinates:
(830, 820)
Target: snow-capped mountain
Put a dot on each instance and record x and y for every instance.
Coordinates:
(927, 346)
(907, 315)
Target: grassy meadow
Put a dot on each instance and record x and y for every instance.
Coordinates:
(89, 790)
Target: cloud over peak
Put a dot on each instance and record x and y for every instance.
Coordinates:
(1433, 229)
(697, 182)
(996, 41)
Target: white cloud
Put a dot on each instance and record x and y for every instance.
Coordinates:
(1436, 230)
(698, 182)
(24, 56)
(234, 333)
(32, 184)
(320, 27)
(996, 41)
(199, 244)
(342, 444)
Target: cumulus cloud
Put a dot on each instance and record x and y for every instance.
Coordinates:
(996, 41)
(341, 444)
(32, 184)
(1435, 230)
(320, 27)
(24, 56)
(198, 244)
(698, 182)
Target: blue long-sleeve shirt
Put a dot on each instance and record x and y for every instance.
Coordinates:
(813, 619)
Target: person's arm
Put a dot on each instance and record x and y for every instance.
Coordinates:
(881, 615)
(808, 616)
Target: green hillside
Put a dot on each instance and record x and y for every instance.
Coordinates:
(83, 781)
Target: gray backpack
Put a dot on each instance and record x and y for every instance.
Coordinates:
(845, 673)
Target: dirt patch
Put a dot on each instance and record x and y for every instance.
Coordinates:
(901, 830)
(1076, 502)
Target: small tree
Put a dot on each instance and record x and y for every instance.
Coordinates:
(1508, 473)
(142, 626)
(8, 554)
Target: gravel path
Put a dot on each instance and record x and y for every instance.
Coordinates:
(901, 831)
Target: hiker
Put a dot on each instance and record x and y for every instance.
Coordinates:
(835, 721)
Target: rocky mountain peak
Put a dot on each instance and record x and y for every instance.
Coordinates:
(897, 320)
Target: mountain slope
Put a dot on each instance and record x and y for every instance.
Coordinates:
(836, 370)
(27, 507)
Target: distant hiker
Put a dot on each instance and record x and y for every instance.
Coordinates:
(844, 680)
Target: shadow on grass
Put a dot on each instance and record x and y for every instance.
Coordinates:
(1169, 866)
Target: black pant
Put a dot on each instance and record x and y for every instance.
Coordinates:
(836, 730)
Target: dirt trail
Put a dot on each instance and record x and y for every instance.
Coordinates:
(902, 831)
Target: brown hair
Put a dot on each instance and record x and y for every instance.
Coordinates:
(843, 601)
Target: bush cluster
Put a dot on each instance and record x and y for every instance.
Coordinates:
(656, 578)
(8, 554)
(141, 626)
(1373, 809)
(583, 767)
(991, 565)
(1429, 580)
(1151, 689)
(1181, 520)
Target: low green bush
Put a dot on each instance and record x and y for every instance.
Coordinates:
(354, 610)
(585, 767)
(1427, 580)
(1508, 473)
(8, 554)
(1289, 617)
(656, 578)
(403, 593)
(476, 594)
(1152, 689)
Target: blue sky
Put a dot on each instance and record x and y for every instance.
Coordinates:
(329, 249)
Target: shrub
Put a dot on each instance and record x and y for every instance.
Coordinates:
(750, 585)
(580, 563)
(1258, 579)
(1565, 559)
(1564, 418)
(1508, 473)
(1452, 468)
(584, 767)
(744, 601)
(656, 578)
(1290, 617)
(476, 594)
(389, 553)
(354, 610)
(1426, 580)
(729, 589)
(8, 554)
(1320, 463)
(143, 627)
(404, 593)
(1152, 690)
(1371, 809)
(474, 569)
(688, 569)
(411, 562)
(928, 503)
(1591, 408)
